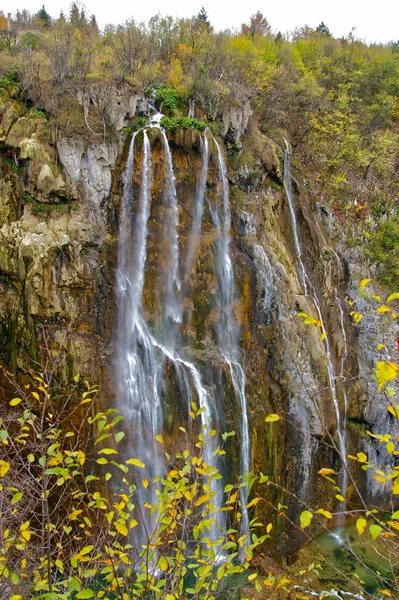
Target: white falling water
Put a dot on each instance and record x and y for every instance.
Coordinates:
(227, 329)
(191, 108)
(141, 355)
(137, 362)
(310, 291)
(172, 302)
(198, 206)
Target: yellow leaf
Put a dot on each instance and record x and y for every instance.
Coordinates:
(323, 336)
(363, 284)
(159, 439)
(135, 462)
(253, 502)
(283, 581)
(395, 487)
(204, 498)
(361, 525)
(36, 395)
(272, 418)
(394, 296)
(269, 527)
(4, 467)
(15, 401)
(386, 593)
(383, 309)
(305, 518)
(163, 563)
(121, 528)
(380, 478)
(381, 346)
(325, 513)
(145, 483)
(325, 471)
(390, 447)
(393, 412)
(108, 451)
(340, 498)
(385, 371)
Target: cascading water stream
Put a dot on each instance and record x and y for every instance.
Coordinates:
(141, 356)
(137, 361)
(172, 302)
(310, 291)
(227, 330)
(198, 206)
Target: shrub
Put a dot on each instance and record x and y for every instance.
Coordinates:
(383, 248)
(69, 509)
(175, 123)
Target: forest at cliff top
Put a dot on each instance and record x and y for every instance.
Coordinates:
(335, 99)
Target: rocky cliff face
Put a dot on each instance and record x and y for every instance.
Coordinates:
(59, 209)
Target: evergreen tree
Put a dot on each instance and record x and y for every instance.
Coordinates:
(323, 29)
(44, 17)
(203, 16)
(74, 15)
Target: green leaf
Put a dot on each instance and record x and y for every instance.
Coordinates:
(305, 518)
(119, 436)
(84, 594)
(375, 531)
(16, 497)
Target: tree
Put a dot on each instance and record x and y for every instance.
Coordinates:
(66, 532)
(323, 29)
(258, 25)
(203, 16)
(43, 17)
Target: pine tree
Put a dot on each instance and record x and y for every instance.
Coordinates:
(203, 16)
(44, 17)
(323, 29)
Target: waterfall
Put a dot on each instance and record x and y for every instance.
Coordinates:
(198, 206)
(143, 348)
(310, 291)
(137, 362)
(191, 108)
(227, 329)
(172, 303)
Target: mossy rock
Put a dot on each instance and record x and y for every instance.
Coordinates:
(4, 95)
(14, 91)
(13, 111)
(21, 129)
